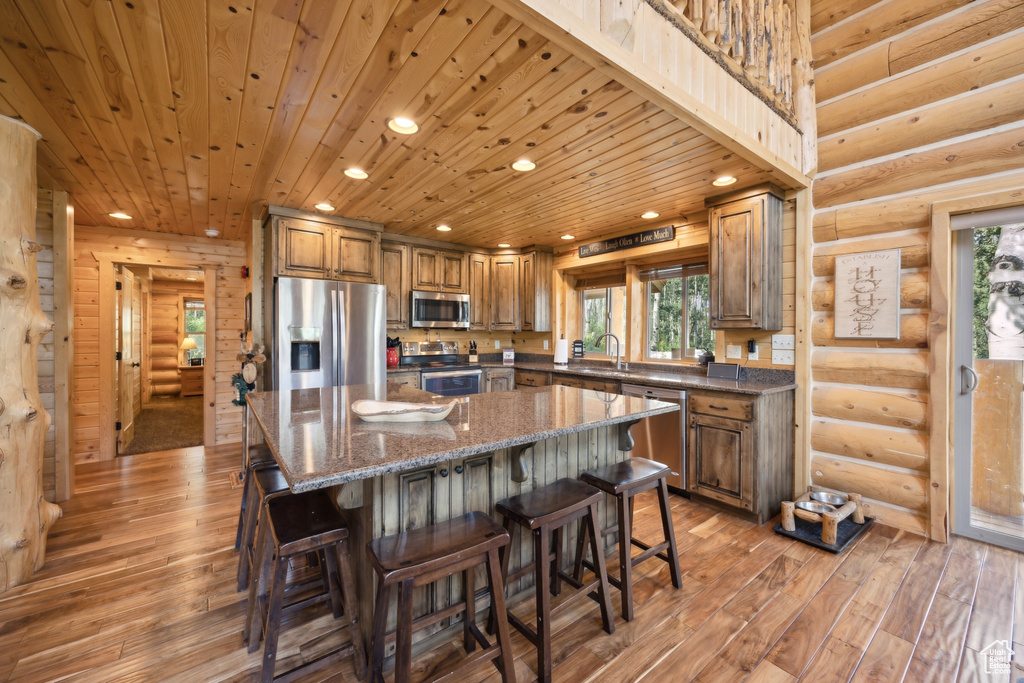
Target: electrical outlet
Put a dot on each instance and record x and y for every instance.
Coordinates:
(497, 344)
(733, 351)
(783, 341)
(545, 344)
(783, 357)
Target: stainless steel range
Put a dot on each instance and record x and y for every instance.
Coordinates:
(440, 372)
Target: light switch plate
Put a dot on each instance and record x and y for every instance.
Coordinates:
(545, 344)
(783, 341)
(783, 357)
(755, 354)
(497, 344)
(733, 351)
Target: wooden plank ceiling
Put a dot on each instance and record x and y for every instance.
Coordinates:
(195, 114)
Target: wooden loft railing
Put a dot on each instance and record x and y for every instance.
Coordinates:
(752, 39)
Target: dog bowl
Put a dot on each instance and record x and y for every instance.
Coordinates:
(830, 498)
(812, 506)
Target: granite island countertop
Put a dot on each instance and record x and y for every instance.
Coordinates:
(318, 441)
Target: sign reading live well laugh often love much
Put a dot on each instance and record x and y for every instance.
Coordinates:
(867, 300)
(637, 239)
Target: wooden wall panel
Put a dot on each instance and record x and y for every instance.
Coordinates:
(164, 355)
(923, 108)
(96, 245)
(45, 361)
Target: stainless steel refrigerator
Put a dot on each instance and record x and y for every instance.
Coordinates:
(326, 333)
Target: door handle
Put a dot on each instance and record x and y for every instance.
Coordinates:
(136, 364)
(968, 380)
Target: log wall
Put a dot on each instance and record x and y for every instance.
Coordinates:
(164, 356)
(99, 245)
(918, 103)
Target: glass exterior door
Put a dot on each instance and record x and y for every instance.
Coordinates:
(989, 385)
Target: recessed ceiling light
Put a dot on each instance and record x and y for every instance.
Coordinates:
(120, 214)
(403, 125)
(356, 173)
(504, 245)
(212, 232)
(191, 279)
(324, 206)
(649, 214)
(524, 165)
(723, 181)
(444, 228)
(568, 237)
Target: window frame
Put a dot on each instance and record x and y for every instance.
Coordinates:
(609, 299)
(183, 308)
(684, 273)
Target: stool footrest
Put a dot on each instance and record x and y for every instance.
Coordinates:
(316, 664)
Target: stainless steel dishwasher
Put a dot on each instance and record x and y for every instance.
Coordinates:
(662, 437)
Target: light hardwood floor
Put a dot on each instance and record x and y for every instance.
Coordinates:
(140, 572)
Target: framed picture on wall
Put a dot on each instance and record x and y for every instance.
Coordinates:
(248, 312)
(867, 295)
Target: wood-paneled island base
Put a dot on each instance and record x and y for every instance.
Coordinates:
(392, 477)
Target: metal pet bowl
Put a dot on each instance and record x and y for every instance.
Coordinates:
(830, 498)
(811, 506)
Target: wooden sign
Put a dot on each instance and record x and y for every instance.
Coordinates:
(637, 239)
(867, 302)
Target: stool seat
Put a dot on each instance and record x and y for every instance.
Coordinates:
(624, 480)
(541, 506)
(625, 475)
(422, 556)
(303, 523)
(439, 544)
(264, 481)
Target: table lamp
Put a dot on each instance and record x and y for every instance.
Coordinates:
(187, 345)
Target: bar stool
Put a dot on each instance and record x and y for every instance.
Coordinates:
(421, 556)
(254, 458)
(294, 525)
(267, 482)
(544, 511)
(624, 480)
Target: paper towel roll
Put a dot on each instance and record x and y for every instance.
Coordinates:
(561, 351)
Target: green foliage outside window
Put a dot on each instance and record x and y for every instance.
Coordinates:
(678, 325)
(985, 241)
(195, 326)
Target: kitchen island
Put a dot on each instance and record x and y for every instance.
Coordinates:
(392, 477)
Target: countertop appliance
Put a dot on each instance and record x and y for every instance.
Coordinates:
(663, 437)
(326, 333)
(439, 309)
(440, 372)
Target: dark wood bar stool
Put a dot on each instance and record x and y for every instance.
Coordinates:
(624, 480)
(254, 458)
(267, 482)
(544, 512)
(293, 525)
(425, 555)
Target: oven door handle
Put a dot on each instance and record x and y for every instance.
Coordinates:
(453, 373)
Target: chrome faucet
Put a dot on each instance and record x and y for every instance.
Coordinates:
(618, 346)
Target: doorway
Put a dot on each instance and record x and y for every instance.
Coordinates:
(160, 317)
(988, 377)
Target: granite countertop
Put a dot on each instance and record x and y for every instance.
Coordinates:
(319, 442)
(667, 380)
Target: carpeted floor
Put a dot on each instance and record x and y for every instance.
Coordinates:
(166, 423)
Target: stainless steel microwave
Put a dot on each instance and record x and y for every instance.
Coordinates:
(439, 309)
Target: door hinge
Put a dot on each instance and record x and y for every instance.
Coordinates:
(117, 355)
(117, 286)
(117, 425)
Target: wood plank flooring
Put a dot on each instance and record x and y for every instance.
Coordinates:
(140, 572)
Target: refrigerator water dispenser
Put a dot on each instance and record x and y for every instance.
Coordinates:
(305, 349)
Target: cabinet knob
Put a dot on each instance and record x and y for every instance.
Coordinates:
(444, 472)
(458, 469)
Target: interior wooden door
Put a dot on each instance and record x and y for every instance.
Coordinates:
(137, 346)
(125, 371)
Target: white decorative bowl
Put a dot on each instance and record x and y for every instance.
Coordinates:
(398, 411)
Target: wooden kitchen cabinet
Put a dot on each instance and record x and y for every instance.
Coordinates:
(536, 272)
(607, 386)
(439, 271)
(479, 269)
(500, 379)
(504, 302)
(565, 380)
(410, 378)
(740, 449)
(532, 378)
(745, 261)
(307, 248)
(394, 275)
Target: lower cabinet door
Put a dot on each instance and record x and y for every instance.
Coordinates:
(721, 463)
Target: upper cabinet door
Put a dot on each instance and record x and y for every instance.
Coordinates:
(394, 275)
(453, 274)
(746, 263)
(479, 291)
(355, 255)
(504, 292)
(425, 267)
(305, 248)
